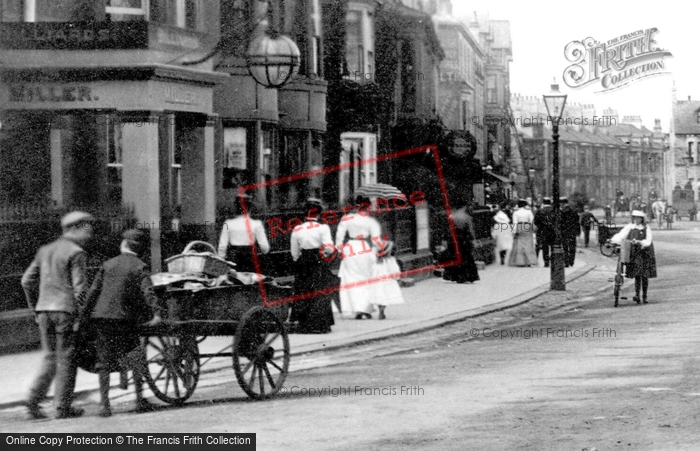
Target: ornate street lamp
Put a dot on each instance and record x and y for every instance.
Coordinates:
(555, 103)
(272, 57)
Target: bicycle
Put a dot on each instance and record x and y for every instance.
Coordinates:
(622, 259)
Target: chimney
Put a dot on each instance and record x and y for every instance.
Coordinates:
(657, 125)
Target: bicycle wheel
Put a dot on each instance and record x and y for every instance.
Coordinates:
(618, 282)
(607, 249)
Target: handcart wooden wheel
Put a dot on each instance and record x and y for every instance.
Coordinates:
(261, 353)
(172, 366)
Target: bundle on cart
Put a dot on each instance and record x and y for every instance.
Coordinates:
(205, 262)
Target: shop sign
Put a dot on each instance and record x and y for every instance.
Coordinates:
(178, 95)
(73, 35)
(235, 148)
(51, 93)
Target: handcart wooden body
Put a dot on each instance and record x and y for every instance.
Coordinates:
(260, 348)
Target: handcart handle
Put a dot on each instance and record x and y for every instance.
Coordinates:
(189, 247)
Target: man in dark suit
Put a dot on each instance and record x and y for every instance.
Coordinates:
(54, 285)
(546, 233)
(570, 230)
(121, 299)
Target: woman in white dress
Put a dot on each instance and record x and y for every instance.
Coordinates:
(358, 256)
(502, 233)
(523, 253)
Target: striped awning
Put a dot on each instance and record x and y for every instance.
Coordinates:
(378, 190)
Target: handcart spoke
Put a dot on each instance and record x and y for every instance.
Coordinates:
(262, 381)
(271, 340)
(269, 376)
(271, 362)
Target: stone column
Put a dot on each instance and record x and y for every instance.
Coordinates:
(141, 176)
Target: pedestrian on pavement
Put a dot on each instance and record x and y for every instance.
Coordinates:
(54, 285)
(545, 230)
(236, 244)
(312, 250)
(523, 253)
(466, 270)
(608, 214)
(587, 220)
(119, 301)
(659, 208)
(642, 263)
(386, 268)
(501, 232)
(358, 256)
(668, 216)
(570, 230)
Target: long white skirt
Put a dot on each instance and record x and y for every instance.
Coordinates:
(388, 291)
(355, 271)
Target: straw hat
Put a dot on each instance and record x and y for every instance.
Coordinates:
(639, 214)
(76, 217)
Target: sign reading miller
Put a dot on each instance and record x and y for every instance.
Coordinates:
(73, 35)
(615, 63)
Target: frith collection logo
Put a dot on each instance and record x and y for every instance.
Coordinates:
(615, 63)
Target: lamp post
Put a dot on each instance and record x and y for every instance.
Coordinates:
(531, 173)
(555, 103)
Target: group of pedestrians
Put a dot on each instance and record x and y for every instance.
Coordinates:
(521, 236)
(365, 252)
(119, 299)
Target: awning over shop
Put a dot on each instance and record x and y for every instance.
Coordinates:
(499, 177)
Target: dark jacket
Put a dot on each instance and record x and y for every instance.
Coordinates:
(545, 223)
(122, 290)
(56, 278)
(570, 227)
(587, 218)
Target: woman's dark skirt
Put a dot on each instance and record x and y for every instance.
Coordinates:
(465, 271)
(642, 262)
(315, 315)
(242, 256)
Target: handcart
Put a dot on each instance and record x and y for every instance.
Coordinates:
(605, 232)
(193, 312)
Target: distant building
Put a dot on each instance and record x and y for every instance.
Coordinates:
(684, 142)
(597, 160)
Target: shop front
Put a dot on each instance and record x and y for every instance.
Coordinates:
(134, 151)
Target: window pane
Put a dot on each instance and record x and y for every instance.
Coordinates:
(64, 10)
(11, 10)
(353, 49)
(191, 14)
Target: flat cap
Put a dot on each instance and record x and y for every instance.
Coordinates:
(135, 235)
(75, 217)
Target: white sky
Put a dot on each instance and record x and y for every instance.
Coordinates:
(541, 29)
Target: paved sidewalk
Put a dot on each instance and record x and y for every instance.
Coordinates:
(430, 303)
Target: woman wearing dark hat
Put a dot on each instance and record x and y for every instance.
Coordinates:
(119, 300)
(311, 247)
(642, 264)
(236, 244)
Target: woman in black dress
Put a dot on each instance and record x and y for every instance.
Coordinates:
(642, 264)
(311, 249)
(466, 271)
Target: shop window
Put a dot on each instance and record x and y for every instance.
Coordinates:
(177, 13)
(491, 90)
(126, 10)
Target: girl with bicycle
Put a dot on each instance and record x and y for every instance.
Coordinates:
(642, 262)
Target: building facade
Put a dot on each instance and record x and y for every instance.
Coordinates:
(595, 160)
(684, 139)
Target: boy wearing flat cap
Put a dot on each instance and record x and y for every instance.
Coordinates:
(54, 284)
(120, 300)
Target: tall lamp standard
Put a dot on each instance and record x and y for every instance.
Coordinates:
(555, 103)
